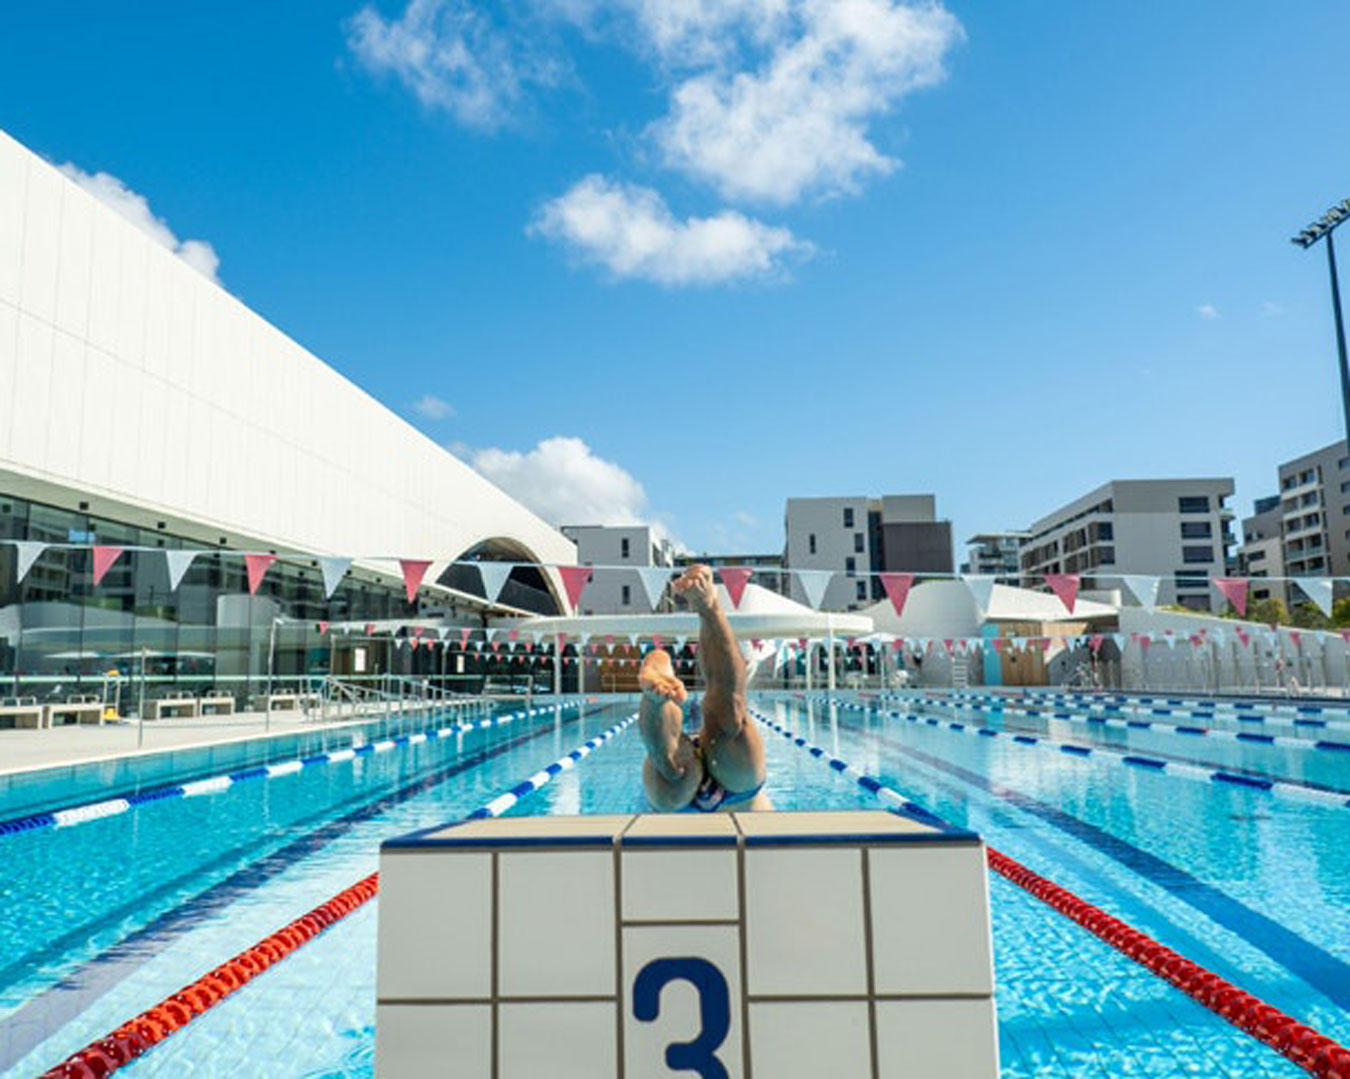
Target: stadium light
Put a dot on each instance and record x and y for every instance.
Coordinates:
(1319, 229)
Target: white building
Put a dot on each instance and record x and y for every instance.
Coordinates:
(1261, 554)
(1176, 529)
(995, 554)
(141, 404)
(619, 545)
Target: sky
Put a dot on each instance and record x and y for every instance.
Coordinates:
(680, 260)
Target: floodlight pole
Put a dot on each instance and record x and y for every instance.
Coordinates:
(1321, 229)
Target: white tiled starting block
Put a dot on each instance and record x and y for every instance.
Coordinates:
(849, 945)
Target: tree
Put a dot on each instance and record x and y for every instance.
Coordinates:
(1309, 616)
(1267, 610)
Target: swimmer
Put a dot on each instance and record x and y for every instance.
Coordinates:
(721, 767)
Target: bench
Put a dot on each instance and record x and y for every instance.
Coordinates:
(171, 706)
(24, 715)
(220, 704)
(283, 702)
(75, 712)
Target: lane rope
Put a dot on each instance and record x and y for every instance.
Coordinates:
(111, 807)
(142, 1033)
(1310, 1049)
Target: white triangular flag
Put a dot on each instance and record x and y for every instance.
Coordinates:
(981, 588)
(494, 576)
(1320, 590)
(178, 563)
(814, 584)
(1145, 589)
(334, 569)
(29, 551)
(654, 580)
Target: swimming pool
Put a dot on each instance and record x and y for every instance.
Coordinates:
(111, 915)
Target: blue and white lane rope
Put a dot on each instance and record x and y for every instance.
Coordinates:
(111, 807)
(1302, 715)
(997, 706)
(1281, 788)
(503, 802)
(1042, 704)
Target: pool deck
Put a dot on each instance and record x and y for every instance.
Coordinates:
(32, 750)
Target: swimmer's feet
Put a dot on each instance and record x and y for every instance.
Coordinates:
(698, 589)
(657, 678)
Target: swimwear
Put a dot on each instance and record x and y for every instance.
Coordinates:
(711, 795)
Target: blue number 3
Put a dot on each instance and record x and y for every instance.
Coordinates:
(699, 1055)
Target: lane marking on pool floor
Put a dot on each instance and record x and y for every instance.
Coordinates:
(111, 807)
(138, 1035)
(1308, 1048)
(1290, 789)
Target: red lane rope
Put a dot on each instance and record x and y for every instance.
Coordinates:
(1313, 1051)
(137, 1036)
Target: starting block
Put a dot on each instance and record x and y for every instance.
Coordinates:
(854, 945)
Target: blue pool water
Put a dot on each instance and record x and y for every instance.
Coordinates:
(105, 918)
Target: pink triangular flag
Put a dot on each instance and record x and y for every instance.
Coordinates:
(575, 579)
(1095, 643)
(414, 569)
(104, 557)
(1065, 586)
(257, 566)
(417, 632)
(1234, 590)
(735, 578)
(323, 628)
(464, 632)
(370, 629)
(897, 587)
(1295, 636)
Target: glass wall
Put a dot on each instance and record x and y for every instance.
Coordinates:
(134, 638)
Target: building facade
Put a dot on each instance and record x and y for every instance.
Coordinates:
(142, 405)
(1261, 554)
(859, 536)
(995, 554)
(1175, 529)
(619, 545)
(1315, 513)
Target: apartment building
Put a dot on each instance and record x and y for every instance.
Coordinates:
(1176, 529)
(996, 554)
(1315, 513)
(618, 545)
(855, 536)
(1261, 554)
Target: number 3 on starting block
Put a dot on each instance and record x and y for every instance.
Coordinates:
(698, 1055)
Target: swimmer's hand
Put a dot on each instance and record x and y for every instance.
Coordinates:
(697, 587)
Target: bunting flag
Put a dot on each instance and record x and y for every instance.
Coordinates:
(104, 557)
(1145, 589)
(1065, 586)
(1294, 637)
(814, 583)
(257, 566)
(1234, 590)
(334, 568)
(575, 579)
(735, 578)
(1321, 590)
(981, 589)
(897, 586)
(414, 569)
(464, 633)
(513, 635)
(323, 628)
(178, 563)
(370, 629)
(417, 632)
(29, 551)
(1095, 643)
(494, 575)
(654, 580)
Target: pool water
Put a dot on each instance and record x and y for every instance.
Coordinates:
(106, 918)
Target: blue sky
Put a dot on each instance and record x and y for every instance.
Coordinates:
(1001, 252)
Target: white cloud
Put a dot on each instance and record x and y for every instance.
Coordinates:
(453, 56)
(631, 232)
(431, 407)
(1270, 309)
(565, 482)
(1207, 311)
(112, 192)
(787, 115)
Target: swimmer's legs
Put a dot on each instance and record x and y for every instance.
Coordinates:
(732, 748)
(671, 773)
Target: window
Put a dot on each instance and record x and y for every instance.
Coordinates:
(1193, 503)
(1343, 463)
(623, 550)
(1345, 511)
(1197, 554)
(858, 542)
(627, 593)
(1106, 530)
(862, 589)
(1191, 579)
(1287, 483)
(1106, 556)
(848, 516)
(1307, 476)
(1195, 530)
(811, 542)
(1345, 487)
(1310, 499)
(1311, 519)
(850, 565)
(1256, 556)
